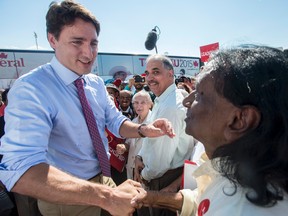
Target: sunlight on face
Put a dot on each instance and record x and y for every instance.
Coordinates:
(76, 47)
(158, 77)
(208, 113)
(141, 105)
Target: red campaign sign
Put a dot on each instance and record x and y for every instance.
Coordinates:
(206, 50)
(118, 161)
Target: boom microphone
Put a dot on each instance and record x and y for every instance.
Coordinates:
(151, 40)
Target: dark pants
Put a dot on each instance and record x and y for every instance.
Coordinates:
(27, 206)
(6, 204)
(158, 184)
(118, 177)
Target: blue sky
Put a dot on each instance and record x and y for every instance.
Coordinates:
(185, 24)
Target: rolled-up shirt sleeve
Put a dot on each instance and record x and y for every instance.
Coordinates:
(27, 127)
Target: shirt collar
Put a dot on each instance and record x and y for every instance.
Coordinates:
(166, 93)
(206, 168)
(64, 73)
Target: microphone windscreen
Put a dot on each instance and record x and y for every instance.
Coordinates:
(151, 40)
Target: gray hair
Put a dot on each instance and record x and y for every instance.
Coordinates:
(167, 63)
(144, 94)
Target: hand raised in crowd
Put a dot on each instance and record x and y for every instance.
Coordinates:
(131, 82)
(121, 148)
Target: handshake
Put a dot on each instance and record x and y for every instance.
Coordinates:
(133, 197)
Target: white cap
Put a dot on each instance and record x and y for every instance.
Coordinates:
(117, 69)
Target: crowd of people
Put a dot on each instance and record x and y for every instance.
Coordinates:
(75, 145)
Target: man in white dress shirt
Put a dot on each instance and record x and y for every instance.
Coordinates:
(160, 161)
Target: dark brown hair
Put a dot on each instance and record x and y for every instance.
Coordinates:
(65, 13)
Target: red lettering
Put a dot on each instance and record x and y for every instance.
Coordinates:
(12, 63)
(175, 62)
(22, 62)
(114, 152)
(3, 63)
(142, 60)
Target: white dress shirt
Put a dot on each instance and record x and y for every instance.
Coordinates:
(164, 153)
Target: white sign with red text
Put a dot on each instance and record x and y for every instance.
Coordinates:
(15, 63)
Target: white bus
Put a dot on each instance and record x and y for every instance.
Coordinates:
(14, 63)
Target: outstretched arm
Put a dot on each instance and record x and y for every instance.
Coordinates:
(174, 186)
(156, 199)
(183, 201)
(157, 128)
(46, 182)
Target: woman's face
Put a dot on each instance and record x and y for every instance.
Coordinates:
(208, 114)
(141, 105)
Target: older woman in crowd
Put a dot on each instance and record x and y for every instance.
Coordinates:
(142, 104)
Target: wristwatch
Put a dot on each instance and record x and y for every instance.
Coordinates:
(139, 130)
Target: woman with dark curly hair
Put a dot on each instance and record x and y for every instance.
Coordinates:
(239, 111)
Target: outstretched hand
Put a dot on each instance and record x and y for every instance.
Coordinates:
(158, 128)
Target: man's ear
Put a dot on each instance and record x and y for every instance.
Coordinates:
(241, 122)
(171, 73)
(52, 40)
